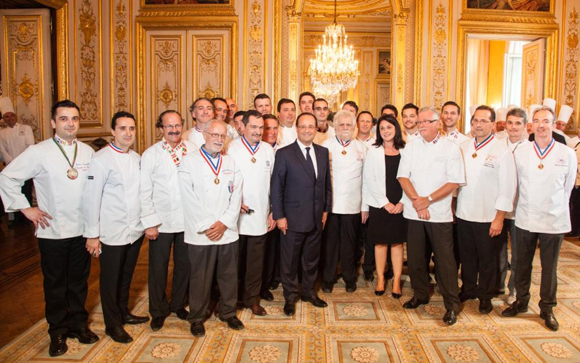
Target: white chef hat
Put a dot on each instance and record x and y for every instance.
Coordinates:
(472, 109)
(6, 105)
(565, 113)
(512, 106)
(500, 114)
(550, 102)
(533, 108)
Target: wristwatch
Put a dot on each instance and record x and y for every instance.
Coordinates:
(430, 199)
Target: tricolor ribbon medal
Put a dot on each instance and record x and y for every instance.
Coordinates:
(231, 186)
(215, 168)
(251, 150)
(481, 144)
(344, 144)
(543, 153)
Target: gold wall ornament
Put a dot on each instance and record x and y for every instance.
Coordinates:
(208, 92)
(26, 89)
(62, 57)
(210, 66)
(438, 57)
(166, 95)
(120, 63)
(255, 55)
(570, 81)
(24, 33)
(88, 85)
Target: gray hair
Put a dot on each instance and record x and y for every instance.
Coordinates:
(214, 121)
(344, 114)
(431, 109)
(545, 108)
(518, 112)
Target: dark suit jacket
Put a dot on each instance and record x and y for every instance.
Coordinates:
(295, 192)
(555, 135)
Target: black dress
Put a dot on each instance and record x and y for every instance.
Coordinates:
(386, 228)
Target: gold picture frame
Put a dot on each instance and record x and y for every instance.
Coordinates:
(469, 13)
(384, 63)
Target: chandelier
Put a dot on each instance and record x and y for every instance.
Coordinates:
(334, 68)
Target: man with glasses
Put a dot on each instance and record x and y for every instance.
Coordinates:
(202, 112)
(431, 169)
(211, 192)
(324, 130)
(162, 218)
(301, 199)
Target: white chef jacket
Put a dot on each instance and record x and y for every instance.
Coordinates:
(160, 195)
(205, 202)
(368, 142)
(501, 135)
(346, 173)
(256, 188)
(457, 137)
(56, 194)
(232, 133)
(544, 194)
(430, 165)
(287, 135)
(321, 137)
(491, 181)
(410, 137)
(513, 147)
(566, 137)
(573, 142)
(375, 178)
(14, 140)
(111, 205)
(196, 137)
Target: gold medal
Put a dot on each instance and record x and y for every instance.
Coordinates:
(216, 180)
(343, 152)
(253, 160)
(72, 173)
(474, 155)
(541, 166)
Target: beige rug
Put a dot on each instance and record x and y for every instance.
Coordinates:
(359, 327)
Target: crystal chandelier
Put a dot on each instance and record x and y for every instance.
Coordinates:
(334, 68)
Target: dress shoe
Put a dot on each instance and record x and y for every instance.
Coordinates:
(316, 301)
(514, 309)
(57, 345)
(450, 317)
(396, 295)
(369, 276)
(274, 285)
(197, 329)
(550, 320)
(350, 287)
(234, 323)
(464, 297)
(289, 308)
(157, 323)
(267, 295)
(257, 309)
(84, 335)
(414, 303)
(379, 292)
(133, 319)
(119, 335)
(327, 287)
(485, 306)
(181, 313)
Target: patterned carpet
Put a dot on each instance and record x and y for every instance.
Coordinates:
(354, 328)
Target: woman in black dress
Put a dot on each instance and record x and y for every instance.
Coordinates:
(382, 193)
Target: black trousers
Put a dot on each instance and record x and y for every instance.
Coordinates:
(117, 267)
(479, 254)
(159, 253)
(251, 258)
(368, 264)
(440, 236)
(271, 270)
(65, 265)
(549, 251)
(340, 245)
(575, 211)
(204, 260)
(296, 248)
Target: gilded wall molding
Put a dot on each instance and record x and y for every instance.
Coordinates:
(210, 65)
(399, 43)
(418, 52)
(410, 52)
(571, 58)
(62, 73)
(255, 50)
(438, 58)
(120, 63)
(294, 50)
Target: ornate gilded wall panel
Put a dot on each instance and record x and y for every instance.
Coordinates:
(533, 73)
(209, 68)
(365, 96)
(570, 58)
(25, 64)
(438, 52)
(410, 53)
(121, 59)
(255, 52)
(383, 89)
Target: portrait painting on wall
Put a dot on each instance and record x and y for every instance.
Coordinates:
(517, 5)
(384, 63)
(185, 2)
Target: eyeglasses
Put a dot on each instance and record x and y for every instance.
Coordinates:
(309, 127)
(217, 136)
(172, 127)
(426, 122)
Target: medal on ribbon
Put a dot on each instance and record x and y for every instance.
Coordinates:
(215, 168)
(71, 173)
(481, 144)
(543, 153)
(344, 144)
(173, 151)
(251, 150)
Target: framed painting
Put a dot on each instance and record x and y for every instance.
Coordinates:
(185, 2)
(384, 63)
(517, 5)
(521, 11)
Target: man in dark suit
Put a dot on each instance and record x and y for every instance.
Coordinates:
(301, 196)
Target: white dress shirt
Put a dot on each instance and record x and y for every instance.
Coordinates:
(111, 205)
(544, 193)
(14, 140)
(160, 195)
(430, 165)
(205, 202)
(456, 137)
(491, 181)
(321, 137)
(346, 171)
(56, 194)
(287, 135)
(256, 189)
(368, 142)
(375, 178)
(312, 155)
(513, 147)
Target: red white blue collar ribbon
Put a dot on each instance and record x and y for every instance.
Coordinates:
(197, 129)
(252, 150)
(543, 153)
(483, 143)
(215, 168)
(116, 148)
(343, 143)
